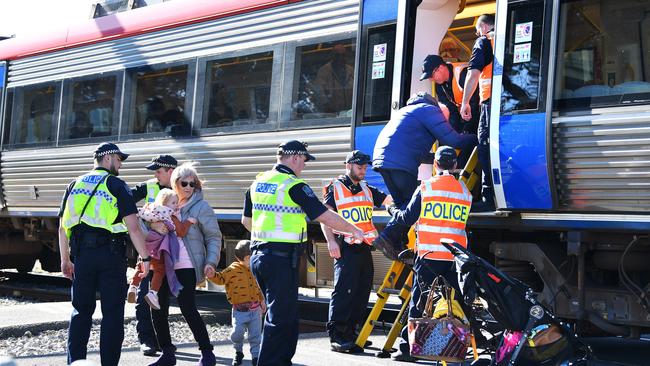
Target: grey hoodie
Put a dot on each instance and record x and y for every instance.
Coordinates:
(203, 240)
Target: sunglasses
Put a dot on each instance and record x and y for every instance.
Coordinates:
(185, 184)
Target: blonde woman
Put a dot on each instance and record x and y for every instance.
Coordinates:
(198, 257)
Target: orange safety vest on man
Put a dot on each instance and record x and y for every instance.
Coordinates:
(457, 68)
(445, 208)
(356, 209)
(485, 79)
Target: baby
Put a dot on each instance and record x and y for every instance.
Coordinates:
(162, 248)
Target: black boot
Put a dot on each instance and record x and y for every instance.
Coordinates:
(239, 357)
(168, 357)
(386, 247)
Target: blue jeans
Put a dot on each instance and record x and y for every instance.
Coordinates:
(401, 185)
(279, 284)
(250, 321)
(144, 326)
(100, 269)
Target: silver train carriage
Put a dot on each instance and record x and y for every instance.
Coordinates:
(570, 136)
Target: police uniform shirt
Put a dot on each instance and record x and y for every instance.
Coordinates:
(378, 197)
(481, 54)
(119, 189)
(301, 194)
(140, 191)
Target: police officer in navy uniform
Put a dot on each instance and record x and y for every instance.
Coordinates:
(96, 213)
(353, 266)
(162, 166)
(275, 211)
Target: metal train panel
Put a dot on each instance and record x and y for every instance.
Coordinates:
(602, 161)
(261, 28)
(34, 180)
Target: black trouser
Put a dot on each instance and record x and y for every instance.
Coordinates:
(99, 265)
(276, 272)
(401, 186)
(144, 326)
(487, 191)
(424, 272)
(353, 273)
(187, 302)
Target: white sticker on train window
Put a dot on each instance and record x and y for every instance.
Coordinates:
(524, 32)
(378, 70)
(522, 53)
(379, 52)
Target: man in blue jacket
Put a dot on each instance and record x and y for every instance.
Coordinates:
(401, 146)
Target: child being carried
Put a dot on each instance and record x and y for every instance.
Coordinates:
(163, 249)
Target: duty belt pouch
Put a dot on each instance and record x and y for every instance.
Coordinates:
(118, 245)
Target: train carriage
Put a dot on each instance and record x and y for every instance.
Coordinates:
(224, 83)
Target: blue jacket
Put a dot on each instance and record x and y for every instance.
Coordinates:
(408, 137)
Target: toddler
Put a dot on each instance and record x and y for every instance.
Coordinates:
(247, 302)
(162, 248)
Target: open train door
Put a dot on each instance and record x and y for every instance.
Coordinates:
(394, 37)
(520, 121)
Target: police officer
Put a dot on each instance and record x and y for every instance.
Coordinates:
(480, 73)
(163, 167)
(354, 200)
(441, 207)
(96, 212)
(275, 211)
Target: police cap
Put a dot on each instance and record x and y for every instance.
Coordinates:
(429, 65)
(358, 157)
(162, 161)
(446, 157)
(295, 147)
(107, 148)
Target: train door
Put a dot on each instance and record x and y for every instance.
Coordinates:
(394, 37)
(520, 121)
(3, 83)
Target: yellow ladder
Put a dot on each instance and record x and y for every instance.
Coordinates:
(388, 287)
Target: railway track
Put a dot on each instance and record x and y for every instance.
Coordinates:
(37, 287)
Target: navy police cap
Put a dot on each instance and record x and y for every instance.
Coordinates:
(295, 147)
(429, 65)
(358, 157)
(108, 148)
(162, 161)
(446, 157)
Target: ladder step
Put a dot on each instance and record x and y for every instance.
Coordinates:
(392, 291)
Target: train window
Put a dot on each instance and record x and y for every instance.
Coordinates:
(160, 98)
(603, 54)
(523, 57)
(36, 115)
(378, 78)
(238, 90)
(90, 108)
(324, 77)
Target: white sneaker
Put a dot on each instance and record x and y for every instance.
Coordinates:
(152, 299)
(132, 294)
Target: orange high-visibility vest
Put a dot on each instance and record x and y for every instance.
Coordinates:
(356, 209)
(445, 208)
(457, 68)
(485, 79)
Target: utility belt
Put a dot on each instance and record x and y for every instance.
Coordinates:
(344, 241)
(93, 239)
(284, 250)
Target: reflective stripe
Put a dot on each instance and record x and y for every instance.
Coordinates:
(277, 234)
(282, 190)
(276, 208)
(441, 230)
(152, 188)
(432, 248)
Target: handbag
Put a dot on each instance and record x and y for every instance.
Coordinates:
(440, 339)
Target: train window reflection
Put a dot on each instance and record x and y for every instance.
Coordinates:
(160, 102)
(604, 54)
(239, 90)
(36, 121)
(324, 80)
(90, 108)
(6, 133)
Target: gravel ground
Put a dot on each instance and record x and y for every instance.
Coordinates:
(54, 341)
(9, 301)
